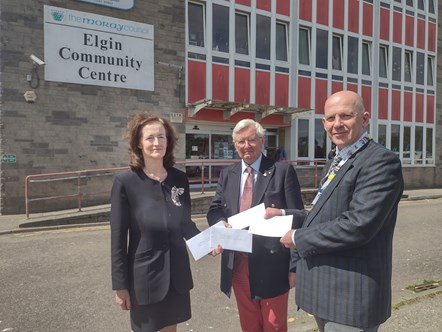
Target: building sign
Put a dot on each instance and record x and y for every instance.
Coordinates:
(9, 158)
(85, 48)
(119, 4)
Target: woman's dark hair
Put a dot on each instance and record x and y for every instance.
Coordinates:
(134, 132)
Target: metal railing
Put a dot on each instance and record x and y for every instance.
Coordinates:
(308, 172)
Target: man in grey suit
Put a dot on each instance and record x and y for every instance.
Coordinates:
(343, 273)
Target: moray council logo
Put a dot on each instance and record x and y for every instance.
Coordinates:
(57, 15)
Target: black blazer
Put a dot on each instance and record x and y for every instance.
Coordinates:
(345, 244)
(148, 251)
(276, 186)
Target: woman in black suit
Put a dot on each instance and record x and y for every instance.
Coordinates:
(150, 215)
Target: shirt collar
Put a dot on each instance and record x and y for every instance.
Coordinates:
(255, 165)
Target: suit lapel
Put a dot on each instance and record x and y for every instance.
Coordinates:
(331, 187)
(265, 174)
(234, 186)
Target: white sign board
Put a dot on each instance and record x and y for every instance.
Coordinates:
(85, 48)
(119, 4)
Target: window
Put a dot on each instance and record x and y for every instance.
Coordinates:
(420, 5)
(382, 134)
(383, 61)
(418, 143)
(429, 143)
(431, 6)
(395, 134)
(320, 140)
(304, 46)
(406, 143)
(281, 41)
(263, 37)
(407, 66)
(430, 71)
(196, 24)
(220, 33)
(366, 67)
(321, 48)
(302, 138)
(242, 34)
(396, 74)
(337, 52)
(352, 55)
(410, 3)
(420, 73)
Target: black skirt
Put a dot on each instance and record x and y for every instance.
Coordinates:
(173, 309)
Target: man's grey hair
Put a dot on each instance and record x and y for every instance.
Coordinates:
(245, 123)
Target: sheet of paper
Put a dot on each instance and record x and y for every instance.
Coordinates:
(199, 245)
(274, 227)
(232, 239)
(245, 218)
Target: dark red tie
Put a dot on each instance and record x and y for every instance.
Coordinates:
(246, 198)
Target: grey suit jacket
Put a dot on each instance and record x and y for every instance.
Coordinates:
(277, 185)
(345, 244)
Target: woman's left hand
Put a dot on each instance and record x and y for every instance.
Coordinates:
(218, 250)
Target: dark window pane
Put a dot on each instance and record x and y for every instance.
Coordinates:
(382, 135)
(303, 138)
(410, 3)
(220, 33)
(320, 140)
(430, 72)
(420, 64)
(383, 60)
(407, 67)
(263, 37)
(396, 74)
(429, 143)
(407, 142)
(304, 47)
(353, 55)
(395, 133)
(420, 4)
(241, 34)
(366, 59)
(337, 53)
(196, 25)
(281, 42)
(431, 6)
(321, 48)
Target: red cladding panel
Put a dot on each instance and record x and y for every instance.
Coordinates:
(409, 30)
(196, 81)
(366, 95)
(322, 12)
(243, 2)
(352, 87)
(384, 30)
(304, 91)
(408, 106)
(264, 5)
(395, 105)
(262, 88)
(353, 15)
(305, 10)
(283, 7)
(397, 27)
(281, 90)
(431, 37)
(320, 96)
(220, 82)
(419, 107)
(430, 109)
(367, 28)
(242, 85)
(383, 104)
(337, 86)
(338, 14)
(421, 34)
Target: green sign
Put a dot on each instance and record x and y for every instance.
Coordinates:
(9, 158)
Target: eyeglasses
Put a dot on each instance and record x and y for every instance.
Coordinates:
(251, 141)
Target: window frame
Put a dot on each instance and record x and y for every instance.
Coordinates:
(203, 13)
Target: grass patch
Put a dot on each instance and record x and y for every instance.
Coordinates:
(416, 299)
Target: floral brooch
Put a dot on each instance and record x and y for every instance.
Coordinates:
(175, 193)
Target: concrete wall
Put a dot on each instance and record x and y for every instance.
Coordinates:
(73, 126)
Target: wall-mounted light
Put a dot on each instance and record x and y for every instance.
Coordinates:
(195, 127)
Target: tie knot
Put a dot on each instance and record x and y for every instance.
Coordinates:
(249, 169)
